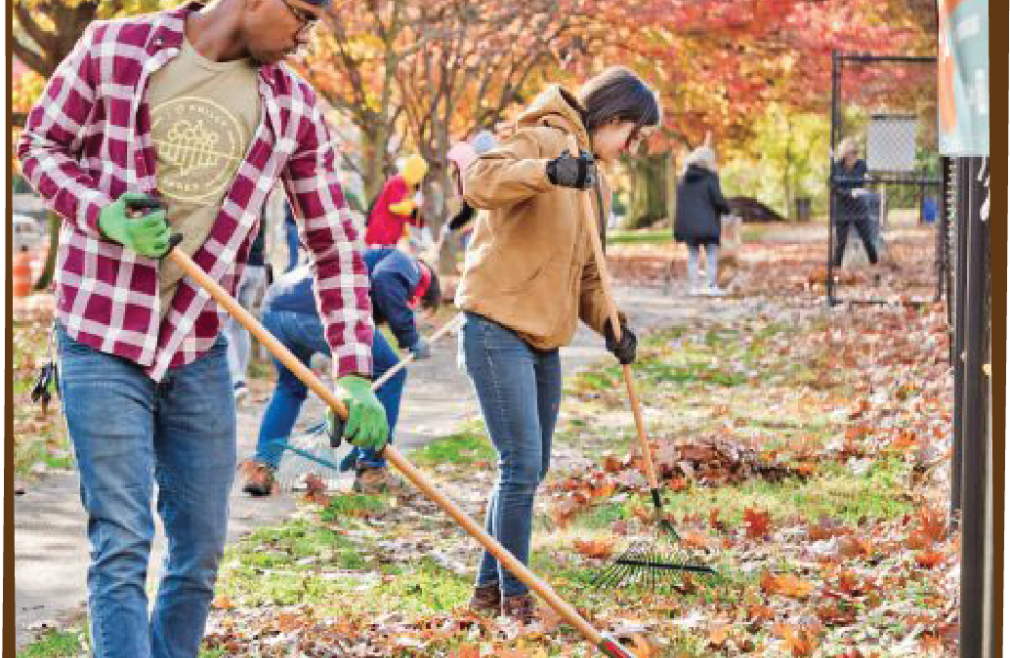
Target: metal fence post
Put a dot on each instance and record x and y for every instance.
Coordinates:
(975, 614)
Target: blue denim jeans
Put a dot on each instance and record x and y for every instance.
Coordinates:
(519, 390)
(249, 293)
(130, 433)
(302, 333)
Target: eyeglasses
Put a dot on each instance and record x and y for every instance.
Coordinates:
(308, 20)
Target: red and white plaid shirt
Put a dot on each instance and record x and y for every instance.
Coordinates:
(88, 140)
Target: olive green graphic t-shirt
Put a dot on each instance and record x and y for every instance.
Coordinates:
(203, 116)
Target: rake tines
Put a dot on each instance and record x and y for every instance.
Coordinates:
(312, 452)
(646, 565)
(302, 455)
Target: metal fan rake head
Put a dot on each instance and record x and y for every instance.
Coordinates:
(651, 564)
(304, 455)
(657, 561)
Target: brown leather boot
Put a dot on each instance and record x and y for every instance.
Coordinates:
(370, 480)
(259, 478)
(486, 599)
(521, 607)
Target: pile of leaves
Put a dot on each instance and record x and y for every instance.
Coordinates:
(679, 463)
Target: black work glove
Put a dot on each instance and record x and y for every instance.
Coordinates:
(623, 349)
(577, 172)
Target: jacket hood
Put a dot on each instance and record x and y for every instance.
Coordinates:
(557, 108)
(413, 170)
(696, 172)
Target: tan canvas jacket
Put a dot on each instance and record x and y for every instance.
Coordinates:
(530, 263)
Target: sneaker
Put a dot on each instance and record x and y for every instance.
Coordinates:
(486, 599)
(370, 479)
(695, 291)
(715, 291)
(241, 392)
(521, 607)
(259, 478)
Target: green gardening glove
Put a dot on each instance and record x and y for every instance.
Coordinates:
(366, 425)
(133, 223)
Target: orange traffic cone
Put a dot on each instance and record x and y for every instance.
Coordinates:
(21, 273)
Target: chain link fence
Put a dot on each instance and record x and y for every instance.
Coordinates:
(885, 183)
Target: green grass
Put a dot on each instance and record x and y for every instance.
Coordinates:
(53, 644)
(213, 653)
(833, 492)
(651, 371)
(427, 588)
(305, 562)
(284, 546)
(280, 565)
(352, 504)
(460, 449)
(645, 236)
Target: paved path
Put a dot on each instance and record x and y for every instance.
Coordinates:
(51, 551)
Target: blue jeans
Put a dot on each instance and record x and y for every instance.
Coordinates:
(302, 333)
(249, 293)
(711, 263)
(519, 390)
(291, 238)
(129, 433)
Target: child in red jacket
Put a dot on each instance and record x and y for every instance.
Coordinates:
(394, 205)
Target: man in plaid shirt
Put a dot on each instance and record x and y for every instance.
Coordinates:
(194, 106)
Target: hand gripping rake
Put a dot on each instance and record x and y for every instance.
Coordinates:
(605, 643)
(643, 562)
(306, 453)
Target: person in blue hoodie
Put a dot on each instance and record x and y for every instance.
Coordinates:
(399, 284)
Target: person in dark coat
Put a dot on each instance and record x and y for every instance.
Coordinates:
(848, 173)
(399, 284)
(700, 205)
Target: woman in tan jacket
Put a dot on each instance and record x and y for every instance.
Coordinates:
(529, 277)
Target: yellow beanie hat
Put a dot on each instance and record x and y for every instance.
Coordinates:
(414, 169)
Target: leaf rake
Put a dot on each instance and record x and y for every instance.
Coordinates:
(313, 452)
(642, 562)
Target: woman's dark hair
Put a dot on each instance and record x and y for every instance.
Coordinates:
(432, 297)
(619, 94)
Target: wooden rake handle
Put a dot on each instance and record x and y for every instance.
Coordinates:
(545, 591)
(448, 326)
(615, 324)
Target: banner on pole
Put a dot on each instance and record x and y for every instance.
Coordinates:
(964, 77)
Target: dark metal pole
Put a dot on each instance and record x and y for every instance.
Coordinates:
(974, 413)
(942, 228)
(961, 181)
(836, 69)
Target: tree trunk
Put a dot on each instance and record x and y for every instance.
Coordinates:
(374, 144)
(648, 190)
(671, 185)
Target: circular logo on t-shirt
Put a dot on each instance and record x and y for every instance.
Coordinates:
(199, 146)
